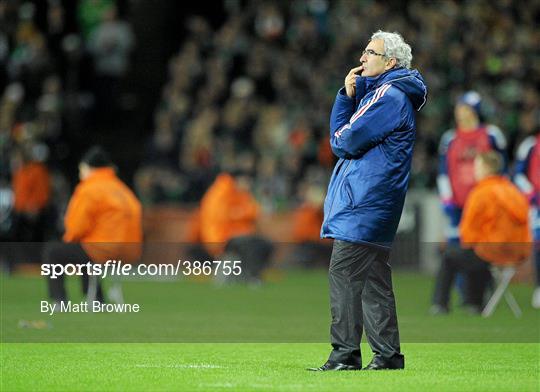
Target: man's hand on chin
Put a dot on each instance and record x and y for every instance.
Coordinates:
(350, 80)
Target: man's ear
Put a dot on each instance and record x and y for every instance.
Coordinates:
(390, 64)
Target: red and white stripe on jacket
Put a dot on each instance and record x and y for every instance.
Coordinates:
(379, 93)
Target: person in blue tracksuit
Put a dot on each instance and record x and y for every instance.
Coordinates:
(372, 131)
(457, 150)
(527, 178)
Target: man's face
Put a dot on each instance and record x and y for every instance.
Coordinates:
(466, 117)
(373, 60)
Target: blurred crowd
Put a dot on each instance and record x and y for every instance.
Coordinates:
(251, 94)
(60, 67)
(256, 91)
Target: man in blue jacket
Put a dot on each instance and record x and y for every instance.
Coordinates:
(372, 131)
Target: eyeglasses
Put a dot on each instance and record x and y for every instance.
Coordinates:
(371, 52)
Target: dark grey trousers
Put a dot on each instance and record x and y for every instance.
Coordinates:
(361, 296)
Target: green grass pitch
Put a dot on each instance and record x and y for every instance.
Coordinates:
(198, 337)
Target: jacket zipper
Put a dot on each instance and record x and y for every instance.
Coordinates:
(340, 184)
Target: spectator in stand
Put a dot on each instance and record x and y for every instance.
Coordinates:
(110, 44)
(527, 178)
(159, 179)
(29, 60)
(494, 230)
(90, 14)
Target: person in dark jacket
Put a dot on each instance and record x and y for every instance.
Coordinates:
(372, 131)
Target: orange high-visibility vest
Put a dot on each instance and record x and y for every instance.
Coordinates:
(495, 222)
(105, 217)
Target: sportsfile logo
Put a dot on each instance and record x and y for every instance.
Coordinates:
(110, 267)
(119, 268)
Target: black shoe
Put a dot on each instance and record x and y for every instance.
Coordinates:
(331, 366)
(380, 363)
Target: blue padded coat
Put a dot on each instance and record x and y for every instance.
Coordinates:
(373, 135)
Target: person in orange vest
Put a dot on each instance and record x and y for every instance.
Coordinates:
(31, 185)
(228, 224)
(227, 210)
(309, 250)
(308, 217)
(33, 217)
(494, 230)
(103, 222)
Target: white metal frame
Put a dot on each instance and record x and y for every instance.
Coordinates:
(502, 276)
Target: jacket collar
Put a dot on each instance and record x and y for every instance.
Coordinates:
(410, 82)
(373, 82)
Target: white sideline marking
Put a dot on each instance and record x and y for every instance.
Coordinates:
(296, 387)
(187, 366)
(221, 385)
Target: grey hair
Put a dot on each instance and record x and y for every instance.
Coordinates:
(395, 47)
